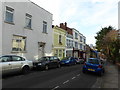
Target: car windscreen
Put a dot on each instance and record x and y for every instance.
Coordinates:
(66, 58)
(93, 61)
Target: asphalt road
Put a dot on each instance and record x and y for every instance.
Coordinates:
(64, 77)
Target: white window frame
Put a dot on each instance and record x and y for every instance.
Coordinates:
(44, 27)
(60, 53)
(10, 11)
(60, 39)
(56, 52)
(28, 16)
(81, 46)
(76, 35)
(76, 44)
(18, 39)
(84, 41)
(81, 38)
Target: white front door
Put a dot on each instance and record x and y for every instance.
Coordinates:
(41, 47)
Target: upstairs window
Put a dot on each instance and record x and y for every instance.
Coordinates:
(84, 47)
(81, 46)
(28, 21)
(67, 43)
(80, 38)
(72, 44)
(76, 45)
(60, 39)
(76, 36)
(84, 41)
(9, 15)
(44, 27)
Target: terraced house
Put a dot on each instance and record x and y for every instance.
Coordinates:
(75, 42)
(26, 30)
(59, 42)
(69, 39)
(79, 44)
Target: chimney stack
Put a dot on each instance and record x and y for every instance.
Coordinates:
(65, 24)
(61, 25)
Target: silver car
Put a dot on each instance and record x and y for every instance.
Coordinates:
(13, 63)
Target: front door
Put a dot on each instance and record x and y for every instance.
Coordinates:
(41, 47)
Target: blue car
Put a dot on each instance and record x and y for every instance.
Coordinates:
(93, 65)
(68, 61)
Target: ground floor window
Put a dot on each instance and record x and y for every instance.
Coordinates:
(56, 53)
(18, 43)
(59, 53)
(69, 53)
(63, 53)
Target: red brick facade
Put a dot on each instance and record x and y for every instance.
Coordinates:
(64, 26)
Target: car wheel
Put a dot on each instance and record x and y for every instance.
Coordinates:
(25, 70)
(101, 73)
(46, 67)
(58, 66)
(84, 71)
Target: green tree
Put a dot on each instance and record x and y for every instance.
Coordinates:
(112, 45)
(100, 37)
(108, 42)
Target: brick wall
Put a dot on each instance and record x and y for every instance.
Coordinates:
(64, 26)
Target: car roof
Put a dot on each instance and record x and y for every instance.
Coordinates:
(11, 55)
(49, 56)
(93, 58)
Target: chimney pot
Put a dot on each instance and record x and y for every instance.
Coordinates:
(65, 24)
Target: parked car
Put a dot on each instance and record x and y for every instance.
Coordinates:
(79, 60)
(14, 63)
(47, 62)
(93, 65)
(68, 61)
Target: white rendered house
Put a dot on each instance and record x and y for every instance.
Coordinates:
(26, 30)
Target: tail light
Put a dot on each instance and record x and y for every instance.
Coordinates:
(100, 66)
(84, 63)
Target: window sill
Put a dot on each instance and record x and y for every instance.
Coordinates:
(28, 28)
(44, 32)
(12, 23)
(18, 51)
(60, 43)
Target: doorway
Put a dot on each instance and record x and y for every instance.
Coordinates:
(41, 52)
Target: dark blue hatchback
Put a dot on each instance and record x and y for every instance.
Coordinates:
(93, 65)
(68, 61)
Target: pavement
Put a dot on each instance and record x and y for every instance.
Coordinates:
(110, 79)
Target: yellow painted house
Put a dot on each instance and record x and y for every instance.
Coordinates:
(59, 42)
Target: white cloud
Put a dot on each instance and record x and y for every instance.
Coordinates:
(81, 14)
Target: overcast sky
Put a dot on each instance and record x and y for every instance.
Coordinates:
(87, 16)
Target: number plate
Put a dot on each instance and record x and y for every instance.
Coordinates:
(91, 69)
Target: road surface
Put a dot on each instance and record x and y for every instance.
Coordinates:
(64, 77)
